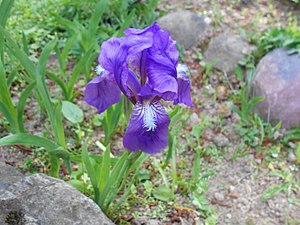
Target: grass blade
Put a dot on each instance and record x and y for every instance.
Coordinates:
(114, 178)
(59, 82)
(22, 101)
(5, 8)
(28, 139)
(25, 45)
(18, 53)
(59, 128)
(90, 170)
(100, 8)
(7, 107)
(136, 167)
(196, 167)
(44, 57)
(65, 51)
(125, 24)
(79, 68)
(11, 77)
(105, 169)
(9, 117)
(59, 57)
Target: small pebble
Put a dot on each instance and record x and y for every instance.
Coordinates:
(220, 140)
(224, 110)
(291, 157)
(292, 145)
(276, 135)
(221, 92)
(231, 188)
(193, 120)
(219, 196)
(244, 201)
(258, 161)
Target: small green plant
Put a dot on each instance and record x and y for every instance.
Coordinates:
(247, 105)
(108, 178)
(279, 38)
(288, 184)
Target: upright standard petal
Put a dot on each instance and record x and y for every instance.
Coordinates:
(161, 65)
(148, 128)
(137, 64)
(102, 92)
(108, 53)
(184, 86)
(132, 45)
(153, 28)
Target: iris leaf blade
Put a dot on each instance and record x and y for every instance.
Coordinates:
(28, 139)
(18, 53)
(5, 8)
(113, 179)
(44, 57)
(59, 82)
(105, 169)
(100, 8)
(90, 170)
(22, 101)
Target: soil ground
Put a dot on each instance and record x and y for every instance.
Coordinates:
(239, 183)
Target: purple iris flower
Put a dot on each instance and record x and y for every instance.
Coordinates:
(143, 66)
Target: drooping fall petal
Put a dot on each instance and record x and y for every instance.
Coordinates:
(148, 128)
(102, 92)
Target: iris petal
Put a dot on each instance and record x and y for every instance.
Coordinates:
(153, 28)
(161, 65)
(102, 92)
(131, 46)
(137, 63)
(184, 86)
(108, 52)
(148, 128)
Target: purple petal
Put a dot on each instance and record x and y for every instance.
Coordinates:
(137, 63)
(147, 93)
(184, 87)
(153, 28)
(161, 79)
(102, 92)
(169, 45)
(148, 128)
(161, 65)
(132, 86)
(108, 52)
(134, 44)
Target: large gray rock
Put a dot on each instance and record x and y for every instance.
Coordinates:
(226, 50)
(43, 200)
(277, 78)
(8, 175)
(186, 27)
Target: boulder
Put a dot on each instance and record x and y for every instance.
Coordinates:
(226, 50)
(39, 199)
(8, 175)
(186, 27)
(277, 78)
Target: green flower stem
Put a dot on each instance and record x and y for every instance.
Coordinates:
(162, 173)
(174, 169)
